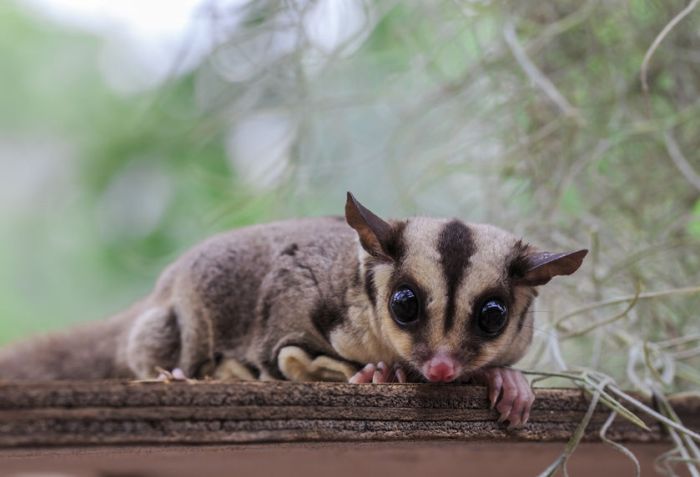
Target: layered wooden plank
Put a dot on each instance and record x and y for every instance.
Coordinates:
(111, 413)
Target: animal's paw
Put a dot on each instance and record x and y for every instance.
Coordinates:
(380, 373)
(515, 393)
(166, 376)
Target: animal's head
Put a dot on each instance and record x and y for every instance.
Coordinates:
(452, 297)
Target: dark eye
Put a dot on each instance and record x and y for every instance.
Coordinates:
(493, 316)
(404, 306)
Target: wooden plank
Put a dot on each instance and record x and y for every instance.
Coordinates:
(339, 459)
(111, 412)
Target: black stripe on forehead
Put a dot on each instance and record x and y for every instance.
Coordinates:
(455, 246)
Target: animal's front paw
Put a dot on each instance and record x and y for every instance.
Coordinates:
(516, 396)
(380, 373)
(166, 376)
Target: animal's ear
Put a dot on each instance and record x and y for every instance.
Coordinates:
(537, 268)
(375, 234)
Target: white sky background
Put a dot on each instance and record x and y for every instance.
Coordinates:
(145, 39)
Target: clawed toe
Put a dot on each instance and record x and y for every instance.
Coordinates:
(364, 375)
(381, 373)
(509, 393)
(166, 376)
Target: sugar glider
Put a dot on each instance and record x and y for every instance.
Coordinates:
(419, 299)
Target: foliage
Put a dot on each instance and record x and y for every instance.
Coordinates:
(529, 115)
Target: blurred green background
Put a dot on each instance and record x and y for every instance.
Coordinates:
(119, 153)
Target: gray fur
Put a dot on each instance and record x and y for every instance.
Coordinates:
(238, 295)
(298, 299)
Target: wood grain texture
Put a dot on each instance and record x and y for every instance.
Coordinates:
(110, 413)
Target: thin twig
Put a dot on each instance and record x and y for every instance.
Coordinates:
(585, 381)
(607, 321)
(624, 299)
(657, 41)
(617, 446)
(561, 26)
(664, 459)
(686, 447)
(687, 354)
(681, 340)
(574, 440)
(535, 75)
(660, 417)
(648, 348)
(680, 161)
(689, 373)
(689, 443)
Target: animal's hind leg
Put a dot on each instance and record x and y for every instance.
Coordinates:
(153, 342)
(159, 340)
(197, 357)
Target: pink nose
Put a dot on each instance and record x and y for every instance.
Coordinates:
(441, 369)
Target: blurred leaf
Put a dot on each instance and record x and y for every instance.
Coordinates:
(694, 222)
(571, 200)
